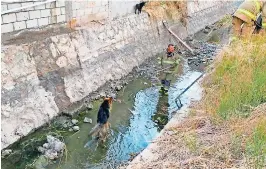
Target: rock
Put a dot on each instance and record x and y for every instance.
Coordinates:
(190, 38)
(50, 139)
(87, 120)
(76, 128)
(145, 83)
(54, 144)
(41, 163)
(206, 30)
(118, 88)
(62, 122)
(207, 27)
(59, 146)
(74, 121)
(102, 94)
(70, 129)
(46, 145)
(6, 152)
(41, 149)
(89, 106)
(51, 154)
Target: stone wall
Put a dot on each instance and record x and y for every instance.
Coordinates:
(60, 12)
(43, 78)
(202, 13)
(33, 17)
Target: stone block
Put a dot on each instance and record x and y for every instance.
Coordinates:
(88, 11)
(45, 13)
(80, 12)
(7, 28)
(39, 6)
(57, 11)
(98, 3)
(50, 5)
(43, 21)
(19, 25)
(3, 7)
(52, 19)
(83, 5)
(74, 13)
(102, 9)
(60, 3)
(75, 5)
(27, 4)
(13, 6)
(32, 23)
(61, 18)
(8, 18)
(104, 3)
(35, 14)
(63, 11)
(22, 16)
(95, 10)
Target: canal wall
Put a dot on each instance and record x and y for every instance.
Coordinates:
(43, 77)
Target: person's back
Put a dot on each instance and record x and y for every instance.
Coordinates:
(245, 15)
(248, 10)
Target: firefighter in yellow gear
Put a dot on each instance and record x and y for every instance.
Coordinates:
(245, 15)
(263, 14)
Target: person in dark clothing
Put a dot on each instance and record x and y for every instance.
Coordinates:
(165, 86)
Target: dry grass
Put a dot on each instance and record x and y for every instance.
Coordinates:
(238, 82)
(199, 142)
(170, 10)
(227, 129)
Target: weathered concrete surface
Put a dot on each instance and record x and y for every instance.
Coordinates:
(43, 78)
(203, 13)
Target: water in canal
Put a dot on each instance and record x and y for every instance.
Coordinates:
(131, 124)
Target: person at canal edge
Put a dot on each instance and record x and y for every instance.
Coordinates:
(101, 129)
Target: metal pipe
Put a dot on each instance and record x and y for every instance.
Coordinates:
(190, 86)
(28, 6)
(180, 40)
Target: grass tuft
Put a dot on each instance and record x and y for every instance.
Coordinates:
(239, 79)
(256, 147)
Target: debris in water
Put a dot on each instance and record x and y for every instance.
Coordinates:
(74, 121)
(87, 120)
(53, 148)
(76, 128)
(6, 152)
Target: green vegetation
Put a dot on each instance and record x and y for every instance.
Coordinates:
(239, 79)
(256, 147)
(233, 90)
